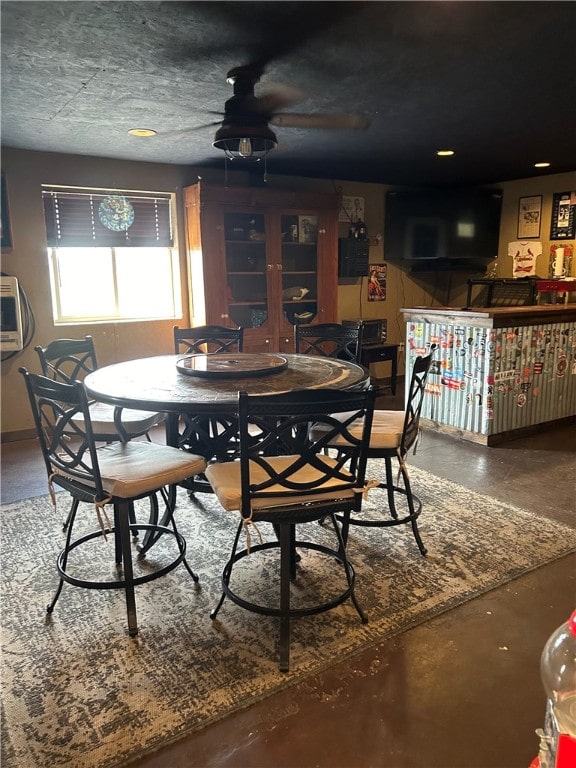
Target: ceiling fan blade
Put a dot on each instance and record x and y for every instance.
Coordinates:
(335, 122)
(259, 33)
(280, 97)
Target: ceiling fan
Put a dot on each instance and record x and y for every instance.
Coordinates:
(245, 127)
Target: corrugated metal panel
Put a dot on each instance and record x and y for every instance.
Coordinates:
(534, 375)
(489, 381)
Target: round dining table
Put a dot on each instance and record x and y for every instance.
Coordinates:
(167, 383)
(208, 386)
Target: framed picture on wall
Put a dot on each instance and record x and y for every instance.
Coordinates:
(529, 216)
(377, 282)
(5, 231)
(351, 210)
(563, 226)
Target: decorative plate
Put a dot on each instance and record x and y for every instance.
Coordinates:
(234, 366)
(116, 213)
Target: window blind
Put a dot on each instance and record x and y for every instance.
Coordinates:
(76, 217)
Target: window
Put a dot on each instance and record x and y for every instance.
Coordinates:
(111, 255)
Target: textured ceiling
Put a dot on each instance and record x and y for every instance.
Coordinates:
(495, 81)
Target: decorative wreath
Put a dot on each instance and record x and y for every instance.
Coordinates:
(116, 213)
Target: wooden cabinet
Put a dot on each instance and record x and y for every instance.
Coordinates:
(264, 259)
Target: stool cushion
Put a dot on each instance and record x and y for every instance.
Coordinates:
(386, 433)
(224, 477)
(387, 428)
(138, 467)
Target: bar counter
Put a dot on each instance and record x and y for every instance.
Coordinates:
(497, 373)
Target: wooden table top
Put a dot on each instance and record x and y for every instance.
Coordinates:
(156, 384)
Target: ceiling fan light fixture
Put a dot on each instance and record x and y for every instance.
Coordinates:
(251, 143)
(245, 147)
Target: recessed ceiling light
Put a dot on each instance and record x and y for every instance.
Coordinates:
(445, 152)
(541, 165)
(142, 132)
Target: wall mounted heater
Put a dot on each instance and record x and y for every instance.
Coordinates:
(10, 314)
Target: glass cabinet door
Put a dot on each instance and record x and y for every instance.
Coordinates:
(247, 291)
(299, 268)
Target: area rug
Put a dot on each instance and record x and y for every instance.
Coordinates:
(78, 692)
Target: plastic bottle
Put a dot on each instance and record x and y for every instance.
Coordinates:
(558, 672)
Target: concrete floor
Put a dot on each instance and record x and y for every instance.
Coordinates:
(460, 691)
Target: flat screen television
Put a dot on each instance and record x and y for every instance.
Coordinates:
(436, 229)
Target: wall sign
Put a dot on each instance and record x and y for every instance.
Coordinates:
(563, 226)
(560, 263)
(529, 214)
(377, 282)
